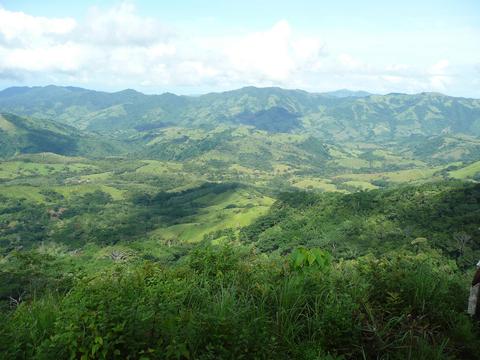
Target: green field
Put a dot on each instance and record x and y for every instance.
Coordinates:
(466, 172)
(259, 223)
(16, 169)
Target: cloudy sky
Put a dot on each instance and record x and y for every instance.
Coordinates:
(194, 46)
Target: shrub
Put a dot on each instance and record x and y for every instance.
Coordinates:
(227, 302)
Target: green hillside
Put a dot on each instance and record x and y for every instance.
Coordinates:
(318, 274)
(257, 223)
(257, 128)
(375, 117)
(374, 221)
(19, 135)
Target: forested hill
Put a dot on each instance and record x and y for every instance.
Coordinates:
(339, 115)
(444, 216)
(20, 135)
(250, 224)
(329, 276)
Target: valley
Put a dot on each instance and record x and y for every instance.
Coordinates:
(258, 203)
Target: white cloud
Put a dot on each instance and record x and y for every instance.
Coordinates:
(274, 56)
(120, 25)
(265, 54)
(118, 42)
(349, 62)
(118, 47)
(109, 44)
(397, 67)
(63, 57)
(439, 78)
(18, 28)
(393, 79)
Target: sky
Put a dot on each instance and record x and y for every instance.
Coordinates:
(193, 46)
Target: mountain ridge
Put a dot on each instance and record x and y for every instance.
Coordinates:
(360, 93)
(261, 127)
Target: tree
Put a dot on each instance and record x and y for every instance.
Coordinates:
(462, 239)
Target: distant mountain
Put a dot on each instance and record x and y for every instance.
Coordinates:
(30, 135)
(69, 105)
(346, 93)
(275, 119)
(340, 115)
(251, 126)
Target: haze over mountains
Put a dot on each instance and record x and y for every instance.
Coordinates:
(251, 126)
(340, 114)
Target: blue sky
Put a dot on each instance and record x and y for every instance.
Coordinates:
(199, 46)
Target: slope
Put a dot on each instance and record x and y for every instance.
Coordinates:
(29, 135)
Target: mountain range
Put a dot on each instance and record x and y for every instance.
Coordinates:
(341, 114)
(253, 127)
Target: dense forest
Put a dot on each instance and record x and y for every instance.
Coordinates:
(318, 276)
(250, 224)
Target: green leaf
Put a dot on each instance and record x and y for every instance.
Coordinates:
(299, 259)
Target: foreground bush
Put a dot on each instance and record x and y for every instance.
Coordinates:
(229, 303)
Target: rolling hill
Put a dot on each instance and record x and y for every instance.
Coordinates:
(347, 137)
(359, 117)
(261, 197)
(29, 135)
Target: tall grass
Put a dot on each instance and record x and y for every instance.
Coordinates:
(229, 303)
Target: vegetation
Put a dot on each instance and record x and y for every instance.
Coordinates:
(322, 276)
(228, 302)
(251, 224)
(374, 221)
